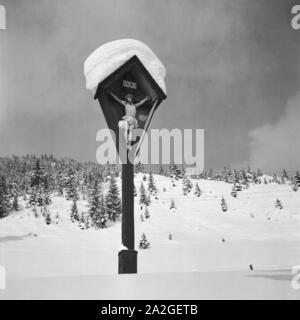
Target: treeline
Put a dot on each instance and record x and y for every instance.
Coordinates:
(37, 179)
(243, 176)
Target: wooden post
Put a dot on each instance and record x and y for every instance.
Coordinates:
(128, 257)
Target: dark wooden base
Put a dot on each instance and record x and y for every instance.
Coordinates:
(128, 261)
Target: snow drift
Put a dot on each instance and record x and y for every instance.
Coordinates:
(112, 55)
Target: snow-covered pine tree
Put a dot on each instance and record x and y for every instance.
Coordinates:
(47, 215)
(187, 186)
(297, 179)
(255, 178)
(278, 204)
(151, 186)
(197, 190)
(245, 178)
(46, 195)
(172, 205)
(87, 222)
(60, 181)
(98, 211)
(143, 196)
(35, 212)
(113, 201)
(74, 212)
(15, 204)
(139, 168)
(144, 243)
(82, 221)
(37, 175)
(40, 196)
(234, 191)
(223, 204)
(71, 185)
(238, 186)
(4, 201)
(94, 200)
(144, 177)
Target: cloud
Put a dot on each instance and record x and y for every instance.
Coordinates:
(277, 146)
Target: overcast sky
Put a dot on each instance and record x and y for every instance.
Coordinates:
(232, 68)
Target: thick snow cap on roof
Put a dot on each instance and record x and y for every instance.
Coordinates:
(112, 55)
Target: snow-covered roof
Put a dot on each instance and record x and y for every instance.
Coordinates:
(112, 55)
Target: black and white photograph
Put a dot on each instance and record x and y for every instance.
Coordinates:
(149, 150)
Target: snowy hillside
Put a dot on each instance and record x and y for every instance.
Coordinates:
(196, 236)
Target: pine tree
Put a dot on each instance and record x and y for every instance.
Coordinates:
(143, 196)
(97, 210)
(4, 201)
(172, 206)
(297, 179)
(33, 198)
(238, 187)
(223, 204)
(187, 186)
(170, 236)
(35, 212)
(81, 221)
(87, 222)
(161, 170)
(144, 243)
(46, 196)
(278, 204)
(197, 190)
(39, 196)
(60, 183)
(151, 186)
(94, 200)
(71, 186)
(139, 168)
(37, 175)
(15, 203)
(47, 215)
(112, 201)
(74, 212)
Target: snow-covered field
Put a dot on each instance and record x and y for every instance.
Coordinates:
(208, 256)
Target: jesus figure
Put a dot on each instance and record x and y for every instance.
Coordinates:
(129, 121)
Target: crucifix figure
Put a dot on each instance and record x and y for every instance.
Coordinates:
(129, 121)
